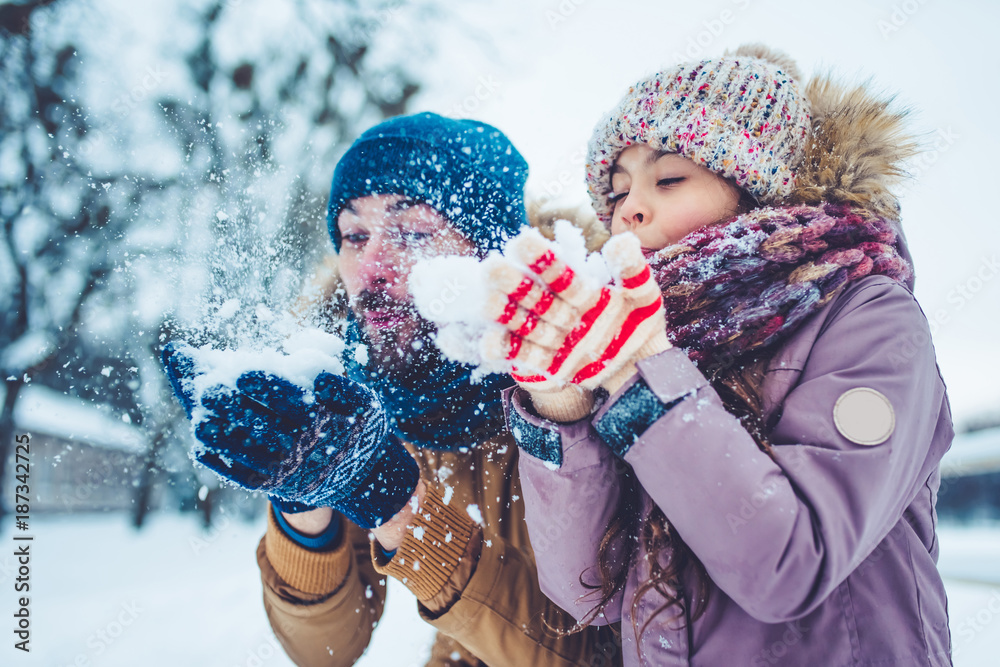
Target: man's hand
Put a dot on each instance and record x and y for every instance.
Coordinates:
(391, 533)
(329, 447)
(311, 522)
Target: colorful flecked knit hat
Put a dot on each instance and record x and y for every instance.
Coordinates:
(469, 171)
(742, 116)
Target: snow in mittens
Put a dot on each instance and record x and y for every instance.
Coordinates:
(305, 354)
(452, 292)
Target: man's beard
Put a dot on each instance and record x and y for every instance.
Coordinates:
(403, 353)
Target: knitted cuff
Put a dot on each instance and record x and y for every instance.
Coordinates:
(634, 411)
(313, 572)
(431, 550)
(654, 345)
(568, 404)
(542, 442)
(288, 506)
(386, 488)
(321, 542)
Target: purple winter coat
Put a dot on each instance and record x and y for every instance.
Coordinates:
(825, 555)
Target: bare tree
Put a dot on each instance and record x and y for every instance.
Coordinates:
(103, 259)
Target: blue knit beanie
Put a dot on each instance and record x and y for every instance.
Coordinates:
(468, 171)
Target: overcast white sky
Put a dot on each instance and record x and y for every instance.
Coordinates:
(544, 72)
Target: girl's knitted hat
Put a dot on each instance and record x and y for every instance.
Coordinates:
(742, 116)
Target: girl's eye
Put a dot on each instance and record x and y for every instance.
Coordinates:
(669, 181)
(615, 198)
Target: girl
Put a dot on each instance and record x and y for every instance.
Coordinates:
(757, 483)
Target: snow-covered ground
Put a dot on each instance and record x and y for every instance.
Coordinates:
(103, 595)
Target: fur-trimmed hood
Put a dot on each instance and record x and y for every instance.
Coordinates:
(858, 144)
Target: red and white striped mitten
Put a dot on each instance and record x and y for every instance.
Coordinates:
(565, 336)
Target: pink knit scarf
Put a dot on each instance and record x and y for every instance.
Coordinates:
(747, 284)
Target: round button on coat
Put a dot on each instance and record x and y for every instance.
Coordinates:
(864, 416)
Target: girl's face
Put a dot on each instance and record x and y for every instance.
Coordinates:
(663, 197)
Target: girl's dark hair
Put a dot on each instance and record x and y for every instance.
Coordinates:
(682, 581)
(747, 202)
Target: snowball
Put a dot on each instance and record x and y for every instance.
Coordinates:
(571, 247)
(449, 289)
(460, 342)
(316, 340)
(452, 292)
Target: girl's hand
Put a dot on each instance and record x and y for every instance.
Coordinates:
(562, 334)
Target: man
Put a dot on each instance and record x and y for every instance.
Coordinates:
(410, 188)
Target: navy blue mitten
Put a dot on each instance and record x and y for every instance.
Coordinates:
(330, 447)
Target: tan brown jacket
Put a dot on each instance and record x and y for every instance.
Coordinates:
(477, 585)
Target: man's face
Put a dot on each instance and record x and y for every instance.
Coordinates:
(383, 237)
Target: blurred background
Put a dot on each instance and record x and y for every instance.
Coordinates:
(164, 167)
